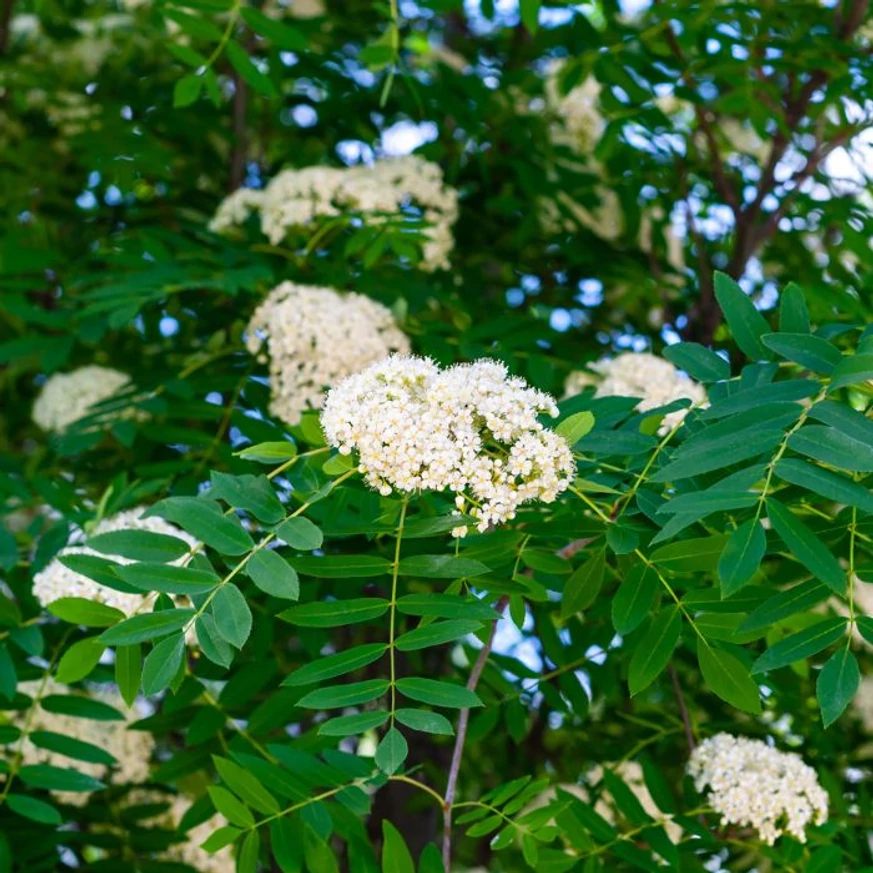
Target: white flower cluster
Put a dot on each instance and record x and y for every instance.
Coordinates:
(750, 783)
(406, 185)
(471, 429)
(316, 336)
(640, 374)
(132, 749)
(67, 397)
(57, 580)
(580, 121)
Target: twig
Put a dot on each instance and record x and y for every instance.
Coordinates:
(683, 710)
(461, 736)
(240, 139)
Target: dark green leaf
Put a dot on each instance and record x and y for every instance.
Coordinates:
(445, 606)
(436, 634)
(79, 660)
(634, 598)
(391, 753)
(72, 747)
(335, 613)
(254, 494)
(809, 351)
(167, 578)
(349, 725)
(150, 626)
(79, 610)
(424, 721)
(584, 585)
(742, 556)
(793, 313)
(187, 90)
(837, 684)
(653, 651)
(825, 483)
(232, 615)
(246, 786)
(336, 665)
(441, 567)
(726, 676)
(236, 812)
(350, 694)
(281, 35)
(300, 533)
(830, 446)
(204, 520)
(212, 643)
(162, 664)
(438, 693)
(395, 855)
(801, 645)
(53, 778)
(698, 361)
(36, 810)
(852, 370)
(247, 70)
(273, 574)
(746, 324)
(139, 545)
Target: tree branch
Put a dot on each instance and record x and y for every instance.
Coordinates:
(461, 737)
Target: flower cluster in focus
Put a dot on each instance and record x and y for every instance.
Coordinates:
(407, 186)
(750, 783)
(471, 429)
(316, 336)
(57, 580)
(640, 374)
(67, 397)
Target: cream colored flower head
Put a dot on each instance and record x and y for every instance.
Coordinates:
(67, 397)
(471, 429)
(314, 337)
(754, 785)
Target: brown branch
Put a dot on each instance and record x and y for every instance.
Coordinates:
(5, 18)
(240, 138)
(683, 710)
(461, 736)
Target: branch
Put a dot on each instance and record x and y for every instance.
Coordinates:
(460, 738)
(238, 157)
(683, 710)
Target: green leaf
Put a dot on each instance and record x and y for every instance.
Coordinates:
(530, 14)
(35, 810)
(273, 574)
(837, 684)
(341, 566)
(51, 778)
(436, 634)
(761, 398)
(320, 857)
(79, 660)
(151, 626)
(233, 810)
(584, 585)
(827, 859)
(696, 555)
(726, 677)
(811, 352)
(72, 748)
(825, 483)
(441, 567)
(168, 578)
(80, 707)
(800, 598)
(845, 419)
(793, 312)
(247, 860)
(852, 370)
(187, 90)
(574, 427)
(335, 613)
(212, 643)
(300, 533)
(248, 72)
(349, 725)
(801, 645)
(424, 721)
(101, 570)
(634, 598)
(653, 651)
(430, 860)
(699, 362)
(246, 786)
(806, 547)
(204, 520)
(336, 665)
(438, 693)
(139, 545)
(269, 453)
(391, 752)
(162, 664)
(338, 696)
(742, 556)
(395, 856)
(254, 494)
(699, 504)
(281, 35)
(746, 324)
(232, 615)
(79, 610)
(830, 446)
(219, 839)
(436, 605)
(716, 455)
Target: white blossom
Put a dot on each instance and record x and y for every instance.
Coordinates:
(316, 336)
(640, 374)
(56, 580)
(471, 429)
(580, 122)
(67, 397)
(752, 784)
(131, 749)
(405, 186)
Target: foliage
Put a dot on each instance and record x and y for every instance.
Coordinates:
(320, 675)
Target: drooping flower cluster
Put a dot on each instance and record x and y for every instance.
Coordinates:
(67, 397)
(750, 783)
(404, 186)
(131, 749)
(316, 336)
(580, 123)
(57, 580)
(471, 429)
(640, 374)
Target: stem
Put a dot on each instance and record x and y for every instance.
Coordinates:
(683, 710)
(395, 574)
(458, 751)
